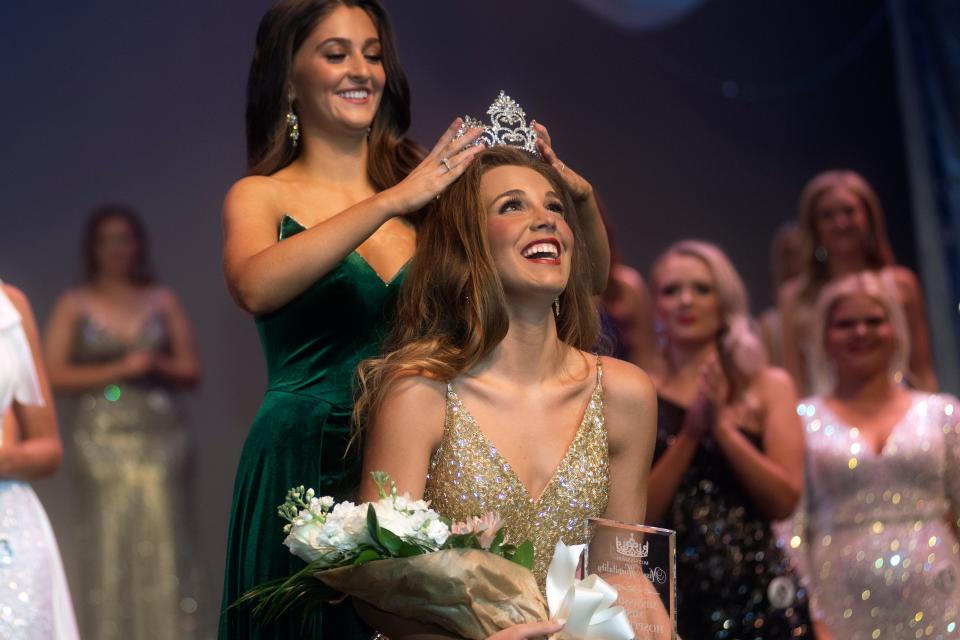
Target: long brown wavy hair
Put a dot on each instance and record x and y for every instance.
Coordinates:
(876, 246)
(451, 312)
(282, 31)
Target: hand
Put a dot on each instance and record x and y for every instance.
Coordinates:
(580, 189)
(743, 415)
(433, 175)
(139, 362)
(528, 631)
(710, 398)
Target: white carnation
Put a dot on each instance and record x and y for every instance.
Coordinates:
(303, 541)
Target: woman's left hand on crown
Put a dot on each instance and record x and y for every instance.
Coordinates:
(579, 188)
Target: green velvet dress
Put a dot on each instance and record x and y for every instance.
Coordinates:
(312, 346)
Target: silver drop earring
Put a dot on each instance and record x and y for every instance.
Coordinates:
(556, 307)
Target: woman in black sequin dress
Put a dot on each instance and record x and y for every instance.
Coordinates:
(729, 456)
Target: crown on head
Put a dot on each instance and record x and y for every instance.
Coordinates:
(631, 548)
(508, 126)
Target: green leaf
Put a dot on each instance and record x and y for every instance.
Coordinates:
(367, 555)
(497, 543)
(523, 556)
(373, 527)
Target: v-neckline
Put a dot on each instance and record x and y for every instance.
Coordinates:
(505, 464)
(856, 432)
(363, 260)
(126, 342)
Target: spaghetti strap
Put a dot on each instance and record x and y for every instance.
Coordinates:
(599, 371)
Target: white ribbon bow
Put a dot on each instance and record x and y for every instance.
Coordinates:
(583, 605)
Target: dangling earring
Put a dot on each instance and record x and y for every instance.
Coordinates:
(556, 307)
(820, 253)
(293, 126)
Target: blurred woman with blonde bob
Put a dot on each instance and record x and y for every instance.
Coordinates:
(844, 232)
(883, 475)
(729, 456)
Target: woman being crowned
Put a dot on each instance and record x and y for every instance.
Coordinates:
(485, 399)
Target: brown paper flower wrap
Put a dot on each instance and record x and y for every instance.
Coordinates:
(401, 557)
(470, 592)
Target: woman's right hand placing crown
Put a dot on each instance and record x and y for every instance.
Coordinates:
(448, 159)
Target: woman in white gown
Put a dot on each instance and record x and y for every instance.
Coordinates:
(34, 599)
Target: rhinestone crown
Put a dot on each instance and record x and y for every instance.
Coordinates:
(508, 126)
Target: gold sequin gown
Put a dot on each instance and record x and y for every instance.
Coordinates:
(469, 477)
(138, 578)
(884, 560)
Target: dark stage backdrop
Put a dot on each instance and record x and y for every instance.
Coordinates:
(708, 128)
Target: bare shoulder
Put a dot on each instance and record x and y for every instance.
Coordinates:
(17, 297)
(163, 297)
(908, 286)
(414, 400)
(626, 386)
(250, 192)
(773, 383)
(416, 390)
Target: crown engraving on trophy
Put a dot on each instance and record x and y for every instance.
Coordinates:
(631, 548)
(508, 126)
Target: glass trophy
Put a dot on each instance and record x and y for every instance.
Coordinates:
(640, 562)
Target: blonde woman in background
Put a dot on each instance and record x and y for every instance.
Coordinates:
(844, 232)
(729, 456)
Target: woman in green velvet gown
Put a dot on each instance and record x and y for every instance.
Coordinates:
(316, 239)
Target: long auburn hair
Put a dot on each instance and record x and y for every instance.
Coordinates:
(282, 31)
(742, 354)
(142, 272)
(451, 312)
(876, 246)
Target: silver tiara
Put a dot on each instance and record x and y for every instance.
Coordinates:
(508, 126)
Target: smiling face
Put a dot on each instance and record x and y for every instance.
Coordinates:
(841, 222)
(686, 299)
(859, 337)
(337, 77)
(115, 248)
(530, 241)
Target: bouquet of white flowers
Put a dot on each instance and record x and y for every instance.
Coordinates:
(400, 556)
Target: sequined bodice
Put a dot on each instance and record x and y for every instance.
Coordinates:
(469, 477)
(851, 484)
(881, 551)
(96, 343)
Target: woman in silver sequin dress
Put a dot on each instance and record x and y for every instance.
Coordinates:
(118, 349)
(34, 600)
(883, 477)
